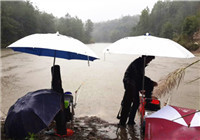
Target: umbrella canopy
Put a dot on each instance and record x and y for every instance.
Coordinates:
(148, 45)
(173, 122)
(54, 45)
(32, 112)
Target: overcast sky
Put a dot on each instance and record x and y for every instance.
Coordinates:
(95, 10)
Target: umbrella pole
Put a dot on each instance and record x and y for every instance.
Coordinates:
(88, 60)
(143, 73)
(54, 59)
(143, 99)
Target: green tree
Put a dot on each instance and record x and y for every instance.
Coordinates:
(18, 19)
(46, 23)
(71, 26)
(143, 25)
(144, 20)
(167, 30)
(176, 20)
(115, 35)
(190, 25)
(158, 17)
(88, 30)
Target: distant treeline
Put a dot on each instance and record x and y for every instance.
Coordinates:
(20, 18)
(177, 20)
(113, 30)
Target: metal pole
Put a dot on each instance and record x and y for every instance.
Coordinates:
(88, 60)
(54, 59)
(143, 73)
(142, 100)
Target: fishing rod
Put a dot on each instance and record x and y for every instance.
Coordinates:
(76, 91)
(186, 115)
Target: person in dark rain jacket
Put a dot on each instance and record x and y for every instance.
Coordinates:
(133, 79)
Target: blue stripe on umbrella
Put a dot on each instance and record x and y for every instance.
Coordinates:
(51, 53)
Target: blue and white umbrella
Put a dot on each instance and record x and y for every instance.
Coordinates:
(54, 45)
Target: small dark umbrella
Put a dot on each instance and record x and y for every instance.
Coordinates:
(32, 113)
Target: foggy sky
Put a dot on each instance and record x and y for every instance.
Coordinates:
(95, 10)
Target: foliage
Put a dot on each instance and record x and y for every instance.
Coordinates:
(113, 30)
(46, 23)
(190, 25)
(177, 20)
(88, 30)
(70, 26)
(186, 41)
(31, 136)
(167, 30)
(20, 18)
(143, 24)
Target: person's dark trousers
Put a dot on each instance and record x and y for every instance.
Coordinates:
(126, 102)
(133, 110)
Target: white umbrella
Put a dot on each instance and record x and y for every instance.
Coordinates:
(148, 45)
(54, 45)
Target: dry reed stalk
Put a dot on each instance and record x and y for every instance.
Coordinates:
(193, 80)
(171, 81)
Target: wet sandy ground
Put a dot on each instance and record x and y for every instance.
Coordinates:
(101, 83)
(89, 128)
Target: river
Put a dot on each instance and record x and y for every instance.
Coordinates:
(101, 89)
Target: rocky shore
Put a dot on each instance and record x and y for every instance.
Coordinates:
(86, 128)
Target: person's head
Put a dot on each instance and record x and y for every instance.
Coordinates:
(149, 58)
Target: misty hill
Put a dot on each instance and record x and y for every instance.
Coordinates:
(113, 30)
(176, 20)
